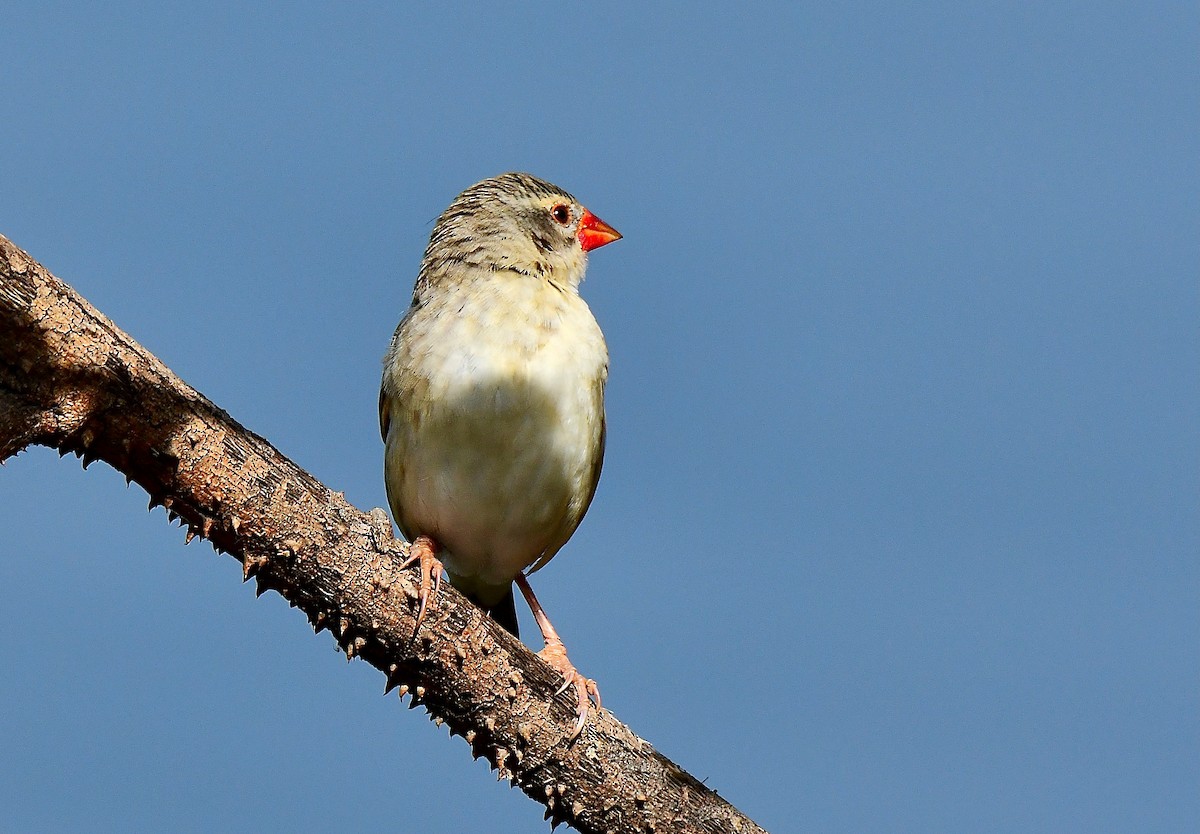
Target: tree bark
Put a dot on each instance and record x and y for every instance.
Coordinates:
(71, 380)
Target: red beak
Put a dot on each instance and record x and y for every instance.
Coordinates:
(594, 232)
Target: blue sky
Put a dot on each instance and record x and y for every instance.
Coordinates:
(899, 523)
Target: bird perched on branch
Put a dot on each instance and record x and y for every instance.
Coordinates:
(492, 404)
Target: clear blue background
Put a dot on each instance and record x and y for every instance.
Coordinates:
(898, 529)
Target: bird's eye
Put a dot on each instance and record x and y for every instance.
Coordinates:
(561, 214)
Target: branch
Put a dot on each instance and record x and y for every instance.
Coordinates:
(71, 380)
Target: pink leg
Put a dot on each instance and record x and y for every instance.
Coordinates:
(555, 653)
(424, 550)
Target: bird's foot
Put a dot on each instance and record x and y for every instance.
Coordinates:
(423, 550)
(555, 653)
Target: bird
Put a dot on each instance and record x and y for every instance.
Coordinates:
(491, 405)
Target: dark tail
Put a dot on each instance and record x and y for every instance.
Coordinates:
(505, 612)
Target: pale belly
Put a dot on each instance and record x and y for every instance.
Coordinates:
(494, 442)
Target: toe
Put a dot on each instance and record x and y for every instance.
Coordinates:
(423, 551)
(581, 690)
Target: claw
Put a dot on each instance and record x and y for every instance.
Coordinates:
(586, 690)
(424, 550)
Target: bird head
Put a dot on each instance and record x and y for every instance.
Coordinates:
(516, 223)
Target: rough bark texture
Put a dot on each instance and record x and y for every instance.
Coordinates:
(70, 380)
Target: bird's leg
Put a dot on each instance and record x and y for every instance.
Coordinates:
(424, 550)
(555, 653)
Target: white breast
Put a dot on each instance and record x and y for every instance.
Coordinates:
(496, 415)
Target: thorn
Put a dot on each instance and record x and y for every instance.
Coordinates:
(561, 789)
(393, 679)
(260, 586)
(469, 735)
(128, 479)
(206, 527)
(154, 502)
(343, 626)
(403, 690)
(438, 721)
(420, 692)
(88, 459)
(549, 789)
(235, 524)
(172, 516)
(501, 757)
(490, 723)
(191, 534)
(251, 565)
(168, 502)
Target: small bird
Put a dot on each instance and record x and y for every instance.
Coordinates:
(492, 402)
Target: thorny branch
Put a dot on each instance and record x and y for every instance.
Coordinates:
(71, 380)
